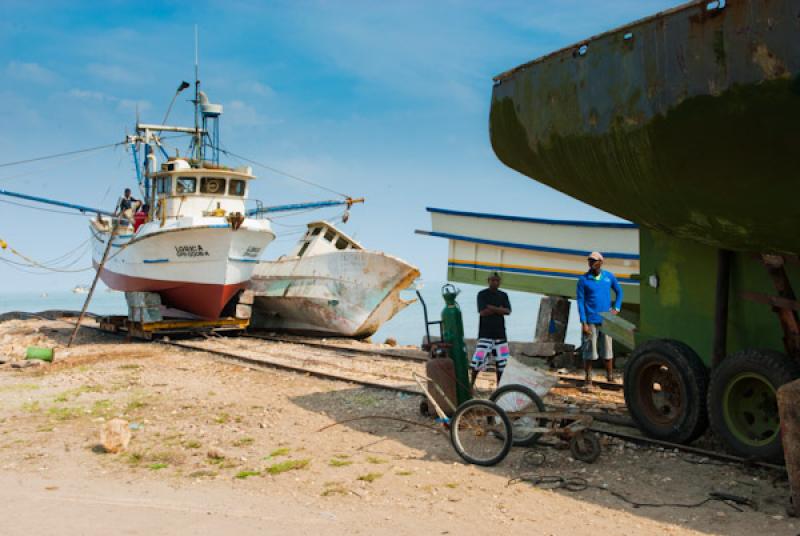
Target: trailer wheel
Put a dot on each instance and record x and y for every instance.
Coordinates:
(665, 390)
(743, 404)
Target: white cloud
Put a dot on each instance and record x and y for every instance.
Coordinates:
(32, 72)
(257, 88)
(112, 73)
(121, 104)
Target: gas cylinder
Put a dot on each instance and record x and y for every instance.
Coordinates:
(453, 334)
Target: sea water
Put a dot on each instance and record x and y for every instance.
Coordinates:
(407, 327)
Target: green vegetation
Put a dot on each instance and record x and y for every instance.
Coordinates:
(19, 387)
(451, 485)
(334, 488)
(129, 367)
(203, 473)
(102, 408)
(246, 474)
(192, 444)
(243, 442)
(75, 393)
(335, 462)
(375, 460)
(64, 413)
(32, 407)
(370, 477)
(222, 418)
(288, 465)
(283, 451)
(404, 473)
(158, 466)
(134, 405)
(366, 400)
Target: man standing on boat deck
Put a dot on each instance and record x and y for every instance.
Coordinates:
(594, 297)
(125, 206)
(493, 306)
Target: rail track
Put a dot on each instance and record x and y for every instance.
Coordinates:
(262, 362)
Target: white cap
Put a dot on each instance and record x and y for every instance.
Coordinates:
(596, 256)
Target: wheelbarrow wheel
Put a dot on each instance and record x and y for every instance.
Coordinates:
(585, 447)
(475, 429)
(520, 403)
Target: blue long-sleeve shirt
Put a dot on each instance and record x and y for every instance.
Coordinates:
(594, 296)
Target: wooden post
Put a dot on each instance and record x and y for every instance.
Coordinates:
(94, 284)
(551, 325)
(789, 412)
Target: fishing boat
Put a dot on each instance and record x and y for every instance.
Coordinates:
(329, 285)
(538, 255)
(198, 245)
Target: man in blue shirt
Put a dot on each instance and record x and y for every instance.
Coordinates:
(594, 297)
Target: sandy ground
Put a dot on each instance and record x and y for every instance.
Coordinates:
(272, 470)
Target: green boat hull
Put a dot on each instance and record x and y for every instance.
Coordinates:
(686, 122)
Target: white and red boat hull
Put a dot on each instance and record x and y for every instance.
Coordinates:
(195, 266)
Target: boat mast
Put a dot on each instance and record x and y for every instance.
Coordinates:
(198, 141)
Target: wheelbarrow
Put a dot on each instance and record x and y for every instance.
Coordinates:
(483, 431)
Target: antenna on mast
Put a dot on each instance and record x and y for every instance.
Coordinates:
(198, 142)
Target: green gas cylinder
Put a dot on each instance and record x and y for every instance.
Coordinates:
(453, 333)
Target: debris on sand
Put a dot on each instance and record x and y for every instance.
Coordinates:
(115, 435)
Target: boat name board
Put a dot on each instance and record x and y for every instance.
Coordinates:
(191, 251)
(252, 251)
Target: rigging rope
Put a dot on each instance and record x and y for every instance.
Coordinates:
(68, 153)
(32, 263)
(285, 174)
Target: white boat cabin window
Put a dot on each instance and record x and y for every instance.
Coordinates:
(186, 185)
(341, 243)
(303, 249)
(329, 235)
(315, 231)
(236, 187)
(164, 185)
(212, 185)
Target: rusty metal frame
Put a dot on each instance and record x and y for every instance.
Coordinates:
(785, 304)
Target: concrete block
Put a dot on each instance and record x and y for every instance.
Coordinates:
(551, 324)
(247, 297)
(143, 299)
(244, 311)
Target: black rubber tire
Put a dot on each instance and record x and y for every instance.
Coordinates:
(517, 440)
(773, 366)
(692, 376)
(585, 446)
(425, 408)
(506, 438)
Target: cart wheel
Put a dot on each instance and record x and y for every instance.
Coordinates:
(475, 429)
(520, 402)
(425, 409)
(585, 447)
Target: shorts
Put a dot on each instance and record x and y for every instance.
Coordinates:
(494, 349)
(595, 344)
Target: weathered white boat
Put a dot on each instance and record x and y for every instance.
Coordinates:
(535, 254)
(197, 248)
(329, 285)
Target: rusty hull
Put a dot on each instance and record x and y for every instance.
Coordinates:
(687, 122)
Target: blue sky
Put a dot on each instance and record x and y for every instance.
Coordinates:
(385, 100)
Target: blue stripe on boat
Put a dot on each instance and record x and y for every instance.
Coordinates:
(554, 273)
(155, 261)
(577, 223)
(547, 249)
